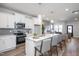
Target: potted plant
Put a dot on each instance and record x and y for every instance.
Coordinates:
(43, 29)
(34, 34)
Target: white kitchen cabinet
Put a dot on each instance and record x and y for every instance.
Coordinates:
(23, 19)
(29, 23)
(2, 45)
(11, 21)
(19, 18)
(7, 20)
(26, 23)
(7, 42)
(3, 20)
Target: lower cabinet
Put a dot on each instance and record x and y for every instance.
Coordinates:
(7, 42)
(2, 45)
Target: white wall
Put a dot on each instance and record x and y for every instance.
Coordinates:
(75, 27)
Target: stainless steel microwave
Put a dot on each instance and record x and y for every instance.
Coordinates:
(19, 25)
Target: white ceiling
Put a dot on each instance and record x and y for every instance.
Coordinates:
(45, 9)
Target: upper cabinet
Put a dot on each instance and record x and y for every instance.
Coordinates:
(29, 23)
(8, 20)
(11, 21)
(3, 20)
(18, 18)
(22, 19)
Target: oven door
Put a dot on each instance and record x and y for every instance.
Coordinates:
(20, 40)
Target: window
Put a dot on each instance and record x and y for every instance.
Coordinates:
(49, 28)
(58, 28)
(52, 26)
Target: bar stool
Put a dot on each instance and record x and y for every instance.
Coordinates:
(64, 40)
(60, 41)
(66, 37)
(39, 48)
(54, 43)
(44, 47)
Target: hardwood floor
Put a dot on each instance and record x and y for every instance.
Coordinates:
(19, 51)
(72, 49)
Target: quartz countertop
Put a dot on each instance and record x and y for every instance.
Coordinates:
(7, 35)
(40, 37)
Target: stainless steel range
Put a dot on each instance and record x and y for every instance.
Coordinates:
(20, 34)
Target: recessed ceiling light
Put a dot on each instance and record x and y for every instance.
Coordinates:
(76, 19)
(52, 21)
(76, 12)
(66, 9)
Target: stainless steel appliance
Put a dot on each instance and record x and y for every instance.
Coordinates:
(19, 25)
(20, 34)
(20, 37)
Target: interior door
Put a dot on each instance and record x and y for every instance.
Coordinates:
(70, 30)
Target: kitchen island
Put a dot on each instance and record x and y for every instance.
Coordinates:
(31, 43)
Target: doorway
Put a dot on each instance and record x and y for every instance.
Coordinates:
(70, 30)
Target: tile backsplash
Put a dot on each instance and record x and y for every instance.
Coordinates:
(5, 31)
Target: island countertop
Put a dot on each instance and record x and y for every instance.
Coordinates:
(42, 37)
